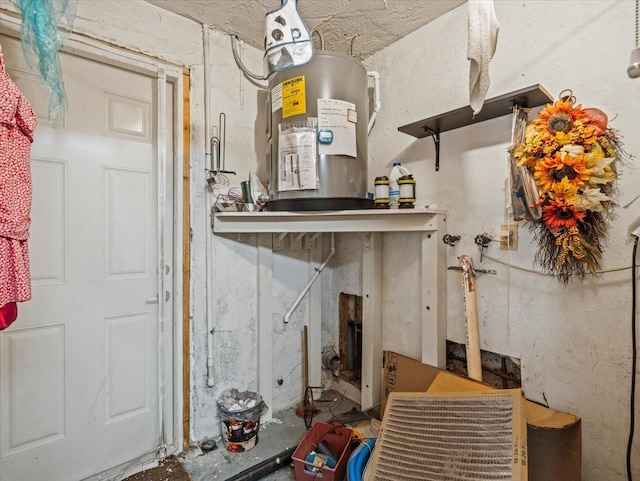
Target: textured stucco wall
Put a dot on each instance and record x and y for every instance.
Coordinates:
(574, 341)
(377, 23)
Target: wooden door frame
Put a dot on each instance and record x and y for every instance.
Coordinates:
(186, 263)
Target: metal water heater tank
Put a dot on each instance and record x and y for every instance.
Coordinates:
(318, 113)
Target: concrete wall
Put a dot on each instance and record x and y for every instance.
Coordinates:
(574, 341)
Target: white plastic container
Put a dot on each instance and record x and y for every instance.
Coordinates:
(397, 171)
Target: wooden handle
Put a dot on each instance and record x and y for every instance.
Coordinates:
(474, 362)
(305, 347)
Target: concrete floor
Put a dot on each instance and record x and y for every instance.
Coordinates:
(286, 430)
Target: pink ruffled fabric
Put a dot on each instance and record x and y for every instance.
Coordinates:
(8, 314)
(17, 123)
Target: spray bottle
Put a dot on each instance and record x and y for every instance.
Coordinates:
(397, 171)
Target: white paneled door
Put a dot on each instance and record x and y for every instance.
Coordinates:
(79, 370)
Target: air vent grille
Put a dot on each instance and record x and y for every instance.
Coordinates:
(452, 437)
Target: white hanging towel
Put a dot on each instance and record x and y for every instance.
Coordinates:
(483, 37)
(287, 41)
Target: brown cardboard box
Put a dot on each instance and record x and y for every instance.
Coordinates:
(554, 438)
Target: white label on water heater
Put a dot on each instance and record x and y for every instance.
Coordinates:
(340, 117)
(297, 159)
(276, 98)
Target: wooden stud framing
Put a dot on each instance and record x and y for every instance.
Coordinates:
(186, 266)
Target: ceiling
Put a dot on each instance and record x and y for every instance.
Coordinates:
(377, 23)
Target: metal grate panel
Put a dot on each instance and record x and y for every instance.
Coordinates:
(451, 437)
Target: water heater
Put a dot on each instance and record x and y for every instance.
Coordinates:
(317, 116)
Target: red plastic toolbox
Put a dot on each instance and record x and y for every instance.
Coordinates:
(338, 437)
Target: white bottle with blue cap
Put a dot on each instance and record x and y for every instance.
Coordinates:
(397, 171)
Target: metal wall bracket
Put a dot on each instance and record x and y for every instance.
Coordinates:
(436, 142)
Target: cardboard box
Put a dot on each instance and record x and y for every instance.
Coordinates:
(554, 438)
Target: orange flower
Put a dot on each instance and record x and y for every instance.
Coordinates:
(557, 118)
(562, 166)
(559, 215)
(564, 190)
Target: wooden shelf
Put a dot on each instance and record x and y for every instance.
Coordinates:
(529, 97)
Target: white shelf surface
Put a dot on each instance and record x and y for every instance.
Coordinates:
(371, 220)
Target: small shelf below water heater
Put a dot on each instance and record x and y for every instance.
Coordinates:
(370, 220)
(529, 97)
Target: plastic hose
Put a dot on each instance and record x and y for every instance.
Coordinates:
(358, 460)
(350, 462)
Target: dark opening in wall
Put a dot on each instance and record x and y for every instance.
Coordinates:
(350, 325)
(499, 371)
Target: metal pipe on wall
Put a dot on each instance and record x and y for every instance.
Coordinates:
(319, 270)
(209, 204)
(376, 98)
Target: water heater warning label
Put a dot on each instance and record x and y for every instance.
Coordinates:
(293, 97)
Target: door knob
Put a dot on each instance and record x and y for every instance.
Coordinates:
(155, 299)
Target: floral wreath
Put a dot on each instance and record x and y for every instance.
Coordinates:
(571, 153)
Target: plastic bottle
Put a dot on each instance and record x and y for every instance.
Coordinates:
(397, 171)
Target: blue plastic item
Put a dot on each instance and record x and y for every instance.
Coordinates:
(327, 461)
(325, 136)
(358, 460)
(40, 44)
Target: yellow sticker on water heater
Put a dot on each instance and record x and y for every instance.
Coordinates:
(294, 97)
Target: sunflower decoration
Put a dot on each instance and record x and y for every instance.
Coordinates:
(572, 155)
